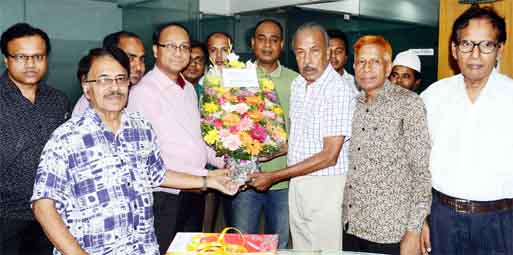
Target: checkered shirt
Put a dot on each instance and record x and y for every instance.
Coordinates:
(102, 182)
(321, 109)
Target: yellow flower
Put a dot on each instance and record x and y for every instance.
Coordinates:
(230, 120)
(236, 64)
(254, 148)
(214, 80)
(253, 100)
(278, 110)
(267, 85)
(279, 133)
(256, 116)
(220, 90)
(230, 98)
(211, 137)
(245, 138)
(210, 107)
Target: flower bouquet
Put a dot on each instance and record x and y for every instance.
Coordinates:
(241, 123)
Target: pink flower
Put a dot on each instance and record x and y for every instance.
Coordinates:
(218, 123)
(245, 123)
(224, 133)
(232, 142)
(234, 129)
(271, 96)
(221, 100)
(258, 133)
(269, 114)
(210, 91)
(241, 108)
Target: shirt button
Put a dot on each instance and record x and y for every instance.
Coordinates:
(363, 129)
(350, 186)
(350, 205)
(375, 128)
(358, 149)
(128, 184)
(354, 168)
(367, 110)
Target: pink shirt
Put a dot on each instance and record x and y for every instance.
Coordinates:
(173, 112)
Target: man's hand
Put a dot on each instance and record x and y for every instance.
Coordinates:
(261, 181)
(410, 244)
(223, 184)
(425, 242)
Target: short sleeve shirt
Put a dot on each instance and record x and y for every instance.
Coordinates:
(321, 109)
(102, 182)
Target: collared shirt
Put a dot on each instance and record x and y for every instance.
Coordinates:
(173, 112)
(349, 78)
(472, 156)
(102, 182)
(24, 129)
(80, 107)
(388, 187)
(321, 109)
(282, 78)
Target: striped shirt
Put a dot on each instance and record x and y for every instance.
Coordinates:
(321, 109)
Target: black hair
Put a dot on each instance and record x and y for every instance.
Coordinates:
(230, 40)
(337, 34)
(201, 46)
(158, 31)
(275, 22)
(477, 12)
(113, 39)
(84, 65)
(20, 30)
(417, 75)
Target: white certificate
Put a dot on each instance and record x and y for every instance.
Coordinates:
(233, 78)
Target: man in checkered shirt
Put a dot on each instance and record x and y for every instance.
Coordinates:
(321, 106)
(93, 187)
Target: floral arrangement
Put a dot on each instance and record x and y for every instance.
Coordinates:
(241, 122)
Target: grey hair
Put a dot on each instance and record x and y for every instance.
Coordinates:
(312, 26)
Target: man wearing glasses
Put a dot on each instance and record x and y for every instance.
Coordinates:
(470, 123)
(92, 193)
(29, 112)
(196, 69)
(169, 103)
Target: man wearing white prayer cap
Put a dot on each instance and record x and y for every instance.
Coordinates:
(406, 70)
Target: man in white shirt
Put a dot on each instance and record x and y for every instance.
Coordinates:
(321, 108)
(338, 56)
(470, 124)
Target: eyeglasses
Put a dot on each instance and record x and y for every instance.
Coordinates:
(174, 47)
(107, 82)
(21, 58)
(485, 47)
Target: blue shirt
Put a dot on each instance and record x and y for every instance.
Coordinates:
(102, 182)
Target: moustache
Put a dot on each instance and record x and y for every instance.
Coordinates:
(308, 68)
(115, 93)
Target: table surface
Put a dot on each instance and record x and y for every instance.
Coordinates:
(299, 252)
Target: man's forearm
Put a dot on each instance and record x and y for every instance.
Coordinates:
(54, 228)
(316, 162)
